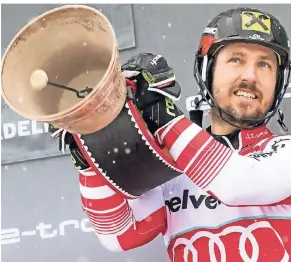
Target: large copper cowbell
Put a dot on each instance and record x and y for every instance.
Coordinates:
(76, 46)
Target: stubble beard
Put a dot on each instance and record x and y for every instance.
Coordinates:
(231, 116)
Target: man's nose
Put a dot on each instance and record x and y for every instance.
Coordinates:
(249, 74)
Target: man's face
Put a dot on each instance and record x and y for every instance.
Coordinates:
(244, 82)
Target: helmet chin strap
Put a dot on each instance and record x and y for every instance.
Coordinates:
(255, 122)
(281, 120)
(196, 114)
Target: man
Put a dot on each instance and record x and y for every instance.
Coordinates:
(234, 201)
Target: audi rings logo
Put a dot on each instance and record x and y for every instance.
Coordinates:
(214, 239)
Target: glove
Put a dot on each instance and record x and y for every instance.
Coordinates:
(66, 138)
(156, 88)
(153, 72)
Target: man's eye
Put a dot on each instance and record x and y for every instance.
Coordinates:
(235, 59)
(264, 64)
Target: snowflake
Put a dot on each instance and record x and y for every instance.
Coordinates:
(115, 150)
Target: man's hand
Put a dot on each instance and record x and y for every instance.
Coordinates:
(66, 138)
(156, 88)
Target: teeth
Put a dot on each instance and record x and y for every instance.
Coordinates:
(82, 141)
(245, 94)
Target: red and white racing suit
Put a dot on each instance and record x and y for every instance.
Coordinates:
(230, 205)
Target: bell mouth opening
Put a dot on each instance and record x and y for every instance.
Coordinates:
(76, 47)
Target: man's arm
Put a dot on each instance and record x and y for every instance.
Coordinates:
(121, 224)
(232, 178)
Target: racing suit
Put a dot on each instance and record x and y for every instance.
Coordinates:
(233, 202)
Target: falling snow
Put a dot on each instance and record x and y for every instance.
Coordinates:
(24, 169)
(84, 43)
(62, 198)
(169, 25)
(127, 151)
(164, 37)
(285, 239)
(6, 167)
(115, 150)
(108, 153)
(113, 161)
(125, 143)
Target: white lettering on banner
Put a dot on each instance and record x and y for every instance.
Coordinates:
(10, 236)
(13, 235)
(23, 128)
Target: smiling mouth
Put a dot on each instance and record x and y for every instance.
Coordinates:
(245, 95)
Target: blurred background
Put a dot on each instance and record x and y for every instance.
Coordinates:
(42, 218)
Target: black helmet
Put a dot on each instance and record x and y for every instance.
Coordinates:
(246, 25)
